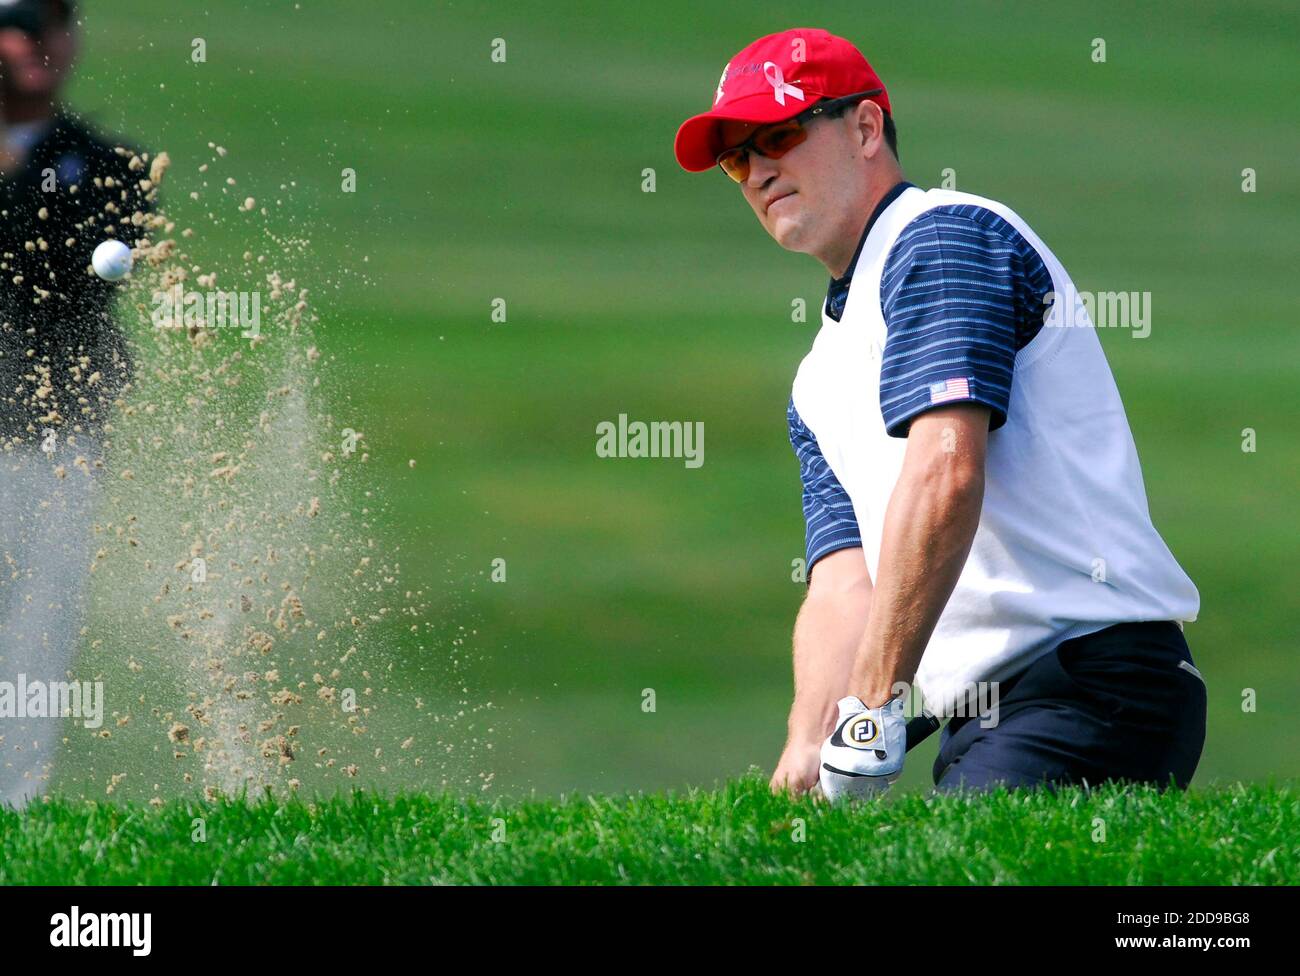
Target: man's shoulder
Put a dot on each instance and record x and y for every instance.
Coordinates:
(75, 144)
(955, 212)
(74, 130)
(951, 228)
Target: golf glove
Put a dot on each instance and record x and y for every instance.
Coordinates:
(864, 755)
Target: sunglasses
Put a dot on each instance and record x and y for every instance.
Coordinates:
(775, 140)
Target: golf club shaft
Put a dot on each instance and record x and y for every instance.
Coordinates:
(919, 729)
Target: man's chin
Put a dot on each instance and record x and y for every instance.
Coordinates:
(789, 234)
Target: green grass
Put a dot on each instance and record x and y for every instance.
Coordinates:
(739, 834)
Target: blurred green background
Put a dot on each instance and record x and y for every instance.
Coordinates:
(522, 181)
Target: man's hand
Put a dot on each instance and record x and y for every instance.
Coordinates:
(797, 769)
(864, 755)
(826, 636)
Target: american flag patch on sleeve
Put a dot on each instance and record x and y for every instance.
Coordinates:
(958, 389)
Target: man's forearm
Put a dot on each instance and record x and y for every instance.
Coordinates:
(827, 635)
(929, 527)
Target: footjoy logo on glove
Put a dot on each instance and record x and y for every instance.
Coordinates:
(860, 732)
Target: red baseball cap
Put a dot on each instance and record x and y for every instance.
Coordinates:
(774, 79)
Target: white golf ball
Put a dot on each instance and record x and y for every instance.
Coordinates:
(111, 260)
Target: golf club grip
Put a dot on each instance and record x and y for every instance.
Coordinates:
(919, 729)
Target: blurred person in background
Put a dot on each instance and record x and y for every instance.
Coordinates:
(63, 361)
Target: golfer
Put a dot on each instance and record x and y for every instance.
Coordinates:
(63, 189)
(977, 524)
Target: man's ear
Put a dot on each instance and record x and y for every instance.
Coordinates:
(871, 127)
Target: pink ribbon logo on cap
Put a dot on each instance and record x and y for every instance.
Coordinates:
(776, 78)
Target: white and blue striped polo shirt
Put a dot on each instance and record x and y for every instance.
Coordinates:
(944, 302)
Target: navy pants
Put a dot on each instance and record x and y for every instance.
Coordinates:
(1124, 703)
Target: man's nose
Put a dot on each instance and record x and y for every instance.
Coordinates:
(761, 169)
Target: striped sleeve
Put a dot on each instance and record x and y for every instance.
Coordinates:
(961, 293)
(828, 513)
